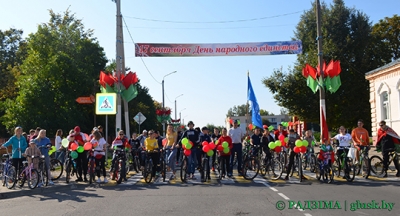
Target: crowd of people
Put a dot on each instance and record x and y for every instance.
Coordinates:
(151, 144)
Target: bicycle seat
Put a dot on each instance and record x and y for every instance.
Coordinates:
(5, 155)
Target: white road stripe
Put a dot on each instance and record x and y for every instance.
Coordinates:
(283, 196)
(306, 214)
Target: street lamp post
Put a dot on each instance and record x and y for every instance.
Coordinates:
(175, 106)
(180, 116)
(163, 102)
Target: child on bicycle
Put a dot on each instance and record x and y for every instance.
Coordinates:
(326, 154)
(32, 150)
(152, 149)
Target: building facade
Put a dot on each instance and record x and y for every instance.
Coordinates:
(275, 120)
(384, 85)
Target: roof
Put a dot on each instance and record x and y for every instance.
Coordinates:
(395, 62)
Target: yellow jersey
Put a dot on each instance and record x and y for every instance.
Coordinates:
(171, 137)
(151, 144)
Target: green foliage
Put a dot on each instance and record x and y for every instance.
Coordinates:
(387, 32)
(239, 110)
(211, 128)
(63, 62)
(345, 31)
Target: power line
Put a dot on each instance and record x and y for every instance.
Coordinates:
(214, 22)
(129, 32)
(207, 28)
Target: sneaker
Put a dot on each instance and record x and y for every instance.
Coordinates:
(51, 183)
(105, 180)
(79, 179)
(141, 168)
(85, 179)
(209, 178)
(304, 178)
(40, 185)
(193, 178)
(125, 179)
(172, 177)
(356, 163)
(287, 178)
(157, 173)
(240, 174)
(98, 180)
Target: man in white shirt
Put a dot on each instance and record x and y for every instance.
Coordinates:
(236, 135)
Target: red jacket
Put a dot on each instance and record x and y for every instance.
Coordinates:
(79, 138)
(277, 133)
(124, 141)
(223, 139)
(321, 155)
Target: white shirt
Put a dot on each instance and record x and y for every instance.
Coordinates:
(236, 135)
(58, 143)
(99, 147)
(344, 140)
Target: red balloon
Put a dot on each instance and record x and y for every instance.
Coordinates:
(277, 149)
(220, 148)
(283, 144)
(164, 141)
(211, 145)
(250, 126)
(187, 152)
(184, 147)
(205, 143)
(296, 149)
(74, 146)
(191, 143)
(87, 146)
(303, 149)
(206, 148)
(265, 126)
(281, 137)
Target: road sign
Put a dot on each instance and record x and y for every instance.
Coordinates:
(84, 100)
(139, 118)
(106, 104)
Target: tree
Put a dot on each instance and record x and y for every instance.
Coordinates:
(239, 110)
(212, 126)
(63, 62)
(284, 111)
(265, 112)
(344, 31)
(387, 34)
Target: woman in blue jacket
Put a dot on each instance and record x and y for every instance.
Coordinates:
(43, 143)
(19, 145)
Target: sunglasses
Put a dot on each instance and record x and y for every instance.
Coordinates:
(382, 125)
(121, 134)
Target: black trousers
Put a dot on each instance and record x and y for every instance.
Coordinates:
(82, 164)
(292, 154)
(385, 154)
(17, 164)
(100, 165)
(156, 161)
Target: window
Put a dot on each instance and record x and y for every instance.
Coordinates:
(273, 119)
(385, 105)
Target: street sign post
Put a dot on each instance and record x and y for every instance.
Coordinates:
(139, 118)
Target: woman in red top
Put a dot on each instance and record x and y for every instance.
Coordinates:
(224, 157)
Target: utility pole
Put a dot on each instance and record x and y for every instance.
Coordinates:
(322, 109)
(120, 62)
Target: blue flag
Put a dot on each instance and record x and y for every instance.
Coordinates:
(255, 109)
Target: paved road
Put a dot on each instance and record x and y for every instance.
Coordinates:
(227, 197)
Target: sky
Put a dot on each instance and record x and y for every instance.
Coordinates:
(210, 85)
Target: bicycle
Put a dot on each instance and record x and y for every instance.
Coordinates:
(346, 164)
(91, 166)
(205, 168)
(324, 169)
(184, 168)
(119, 165)
(148, 167)
(282, 157)
(163, 164)
(29, 174)
(9, 174)
(135, 160)
(70, 166)
(272, 165)
(376, 162)
(42, 169)
(297, 166)
(363, 163)
(251, 165)
(309, 159)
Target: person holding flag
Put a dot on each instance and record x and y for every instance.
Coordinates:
(387, 138)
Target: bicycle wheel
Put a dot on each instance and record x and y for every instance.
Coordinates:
(251, 167)
(366, 167)
(304, 161)
(136, 164)
(184, 169)
(313, 163)
(330, 174)
(45, 177)
(349, 170)
(203, 170)
(163, 169)
(376, 165)
(10, 177)
(337, 166)
(91, 171)
(128, 166)
(300, 169)
(21, 180)
(148, 171)
(219, 168)
(33, 179)
(235, 160)
(120, 165)
(276, 168)
(264, 167)
(318, 173)
(67, 170)
(56, 169)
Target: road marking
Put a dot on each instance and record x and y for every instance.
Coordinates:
(306, 214)
(272, 188)
(283, 196)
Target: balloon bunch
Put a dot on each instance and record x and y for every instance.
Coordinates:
(285, 124)
(224, 147)
(301, 146)
(276, 146)
(52, 150)
(251, 126)
(187, 146)
(270, 128)
(208, 148)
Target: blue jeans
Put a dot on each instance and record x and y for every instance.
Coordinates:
(171, 158)
(192, 160)
(237, 147)
(60, 155)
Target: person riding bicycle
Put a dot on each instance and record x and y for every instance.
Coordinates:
(119, 144)
(32, 150)
(215, 136)
(205, 137)
(225, 157)
(99, 146)
(293, 136)
(19, 145)
(387, 139)
(255, 140)
(344, 140)
(326, 153)
(266, 139)
(152, 151)
(193, 136)
(170, 147)
(360, 139)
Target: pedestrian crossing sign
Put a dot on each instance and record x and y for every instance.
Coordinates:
(106, 103)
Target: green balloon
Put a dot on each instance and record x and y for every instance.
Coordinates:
(80, 149)
(188, 146)
(271, 145)
(313, 143)
(185, 141)
(270, 128)
(216, 142)
(225, 144)
(299, 143)
(278, 143)
(210, 153)
(286, 139)
(74, 154)
(226, 150)
(65, 143)
(305, 143)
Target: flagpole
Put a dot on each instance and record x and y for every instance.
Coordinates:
(320, 66)
(247, 104)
